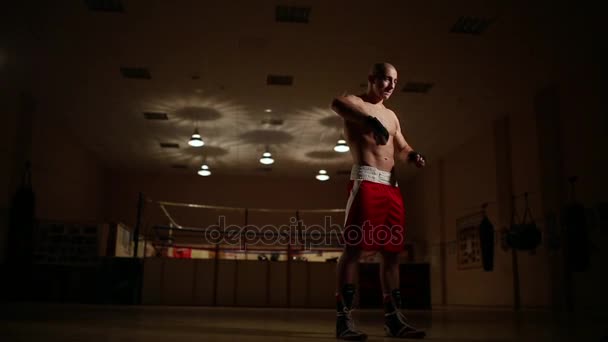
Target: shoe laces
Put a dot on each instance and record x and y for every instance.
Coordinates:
(350, 323)
(400, 317)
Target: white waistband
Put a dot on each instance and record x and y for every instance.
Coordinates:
(370, 173)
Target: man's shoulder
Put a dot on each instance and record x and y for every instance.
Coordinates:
(390, 112)
(350, 98)
(355, 97)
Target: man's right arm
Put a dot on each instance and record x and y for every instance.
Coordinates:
(350, 108)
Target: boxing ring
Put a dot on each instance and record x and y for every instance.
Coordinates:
(199, 254)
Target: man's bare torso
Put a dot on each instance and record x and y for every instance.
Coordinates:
(362, 143)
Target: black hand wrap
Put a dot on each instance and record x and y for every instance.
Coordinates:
(377, 127)
(413, 156)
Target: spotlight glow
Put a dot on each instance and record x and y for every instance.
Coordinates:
(204, 171)
(341, 146)
(322, 176)
(196, 140)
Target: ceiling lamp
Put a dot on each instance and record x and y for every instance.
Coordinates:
(322, 176)
(341, 146)
(204, 171)
(266, 158)
(195, 140)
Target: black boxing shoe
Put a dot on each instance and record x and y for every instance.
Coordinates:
(345, 325)
(395, 325)
(345, 328)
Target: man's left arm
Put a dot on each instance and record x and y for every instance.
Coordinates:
(405, 152)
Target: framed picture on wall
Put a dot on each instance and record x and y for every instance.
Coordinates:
(468, 246)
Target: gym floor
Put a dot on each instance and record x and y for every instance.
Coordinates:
(68, 322)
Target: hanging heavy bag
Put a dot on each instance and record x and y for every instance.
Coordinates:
(486, 237)
(574, 222)
(21, 226)
(524, 236)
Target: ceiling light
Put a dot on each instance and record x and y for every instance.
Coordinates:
(204, 171)
(322, 176)
(266, 158)
(341, 146)
(195, 140)
(268, 110)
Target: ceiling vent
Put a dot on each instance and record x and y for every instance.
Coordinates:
(417, 87)
(138, 73)
(290, 14)
(471, 25)
(169, 145)
(282, 80)
(155, 116)
(105, 5)
(273, 122)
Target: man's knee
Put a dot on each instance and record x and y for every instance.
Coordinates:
(390, 258)
(351, 253)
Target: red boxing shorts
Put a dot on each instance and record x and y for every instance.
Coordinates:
(375, 216)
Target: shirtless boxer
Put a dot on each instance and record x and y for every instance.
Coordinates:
(375, 216)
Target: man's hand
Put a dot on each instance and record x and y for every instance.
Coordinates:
(416, 158)
(380, 132)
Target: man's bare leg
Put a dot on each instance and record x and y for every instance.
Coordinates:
(347, 267)
(345, 295)
(395, 323)
(389, 272)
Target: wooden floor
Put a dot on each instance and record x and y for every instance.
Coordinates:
(57, 322)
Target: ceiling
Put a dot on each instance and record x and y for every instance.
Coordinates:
(209, 61)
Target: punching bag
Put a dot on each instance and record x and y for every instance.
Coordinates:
(486, 237)
(525, 235)
(22, 220)
(574, 222)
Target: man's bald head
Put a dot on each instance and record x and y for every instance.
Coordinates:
(381, 69)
